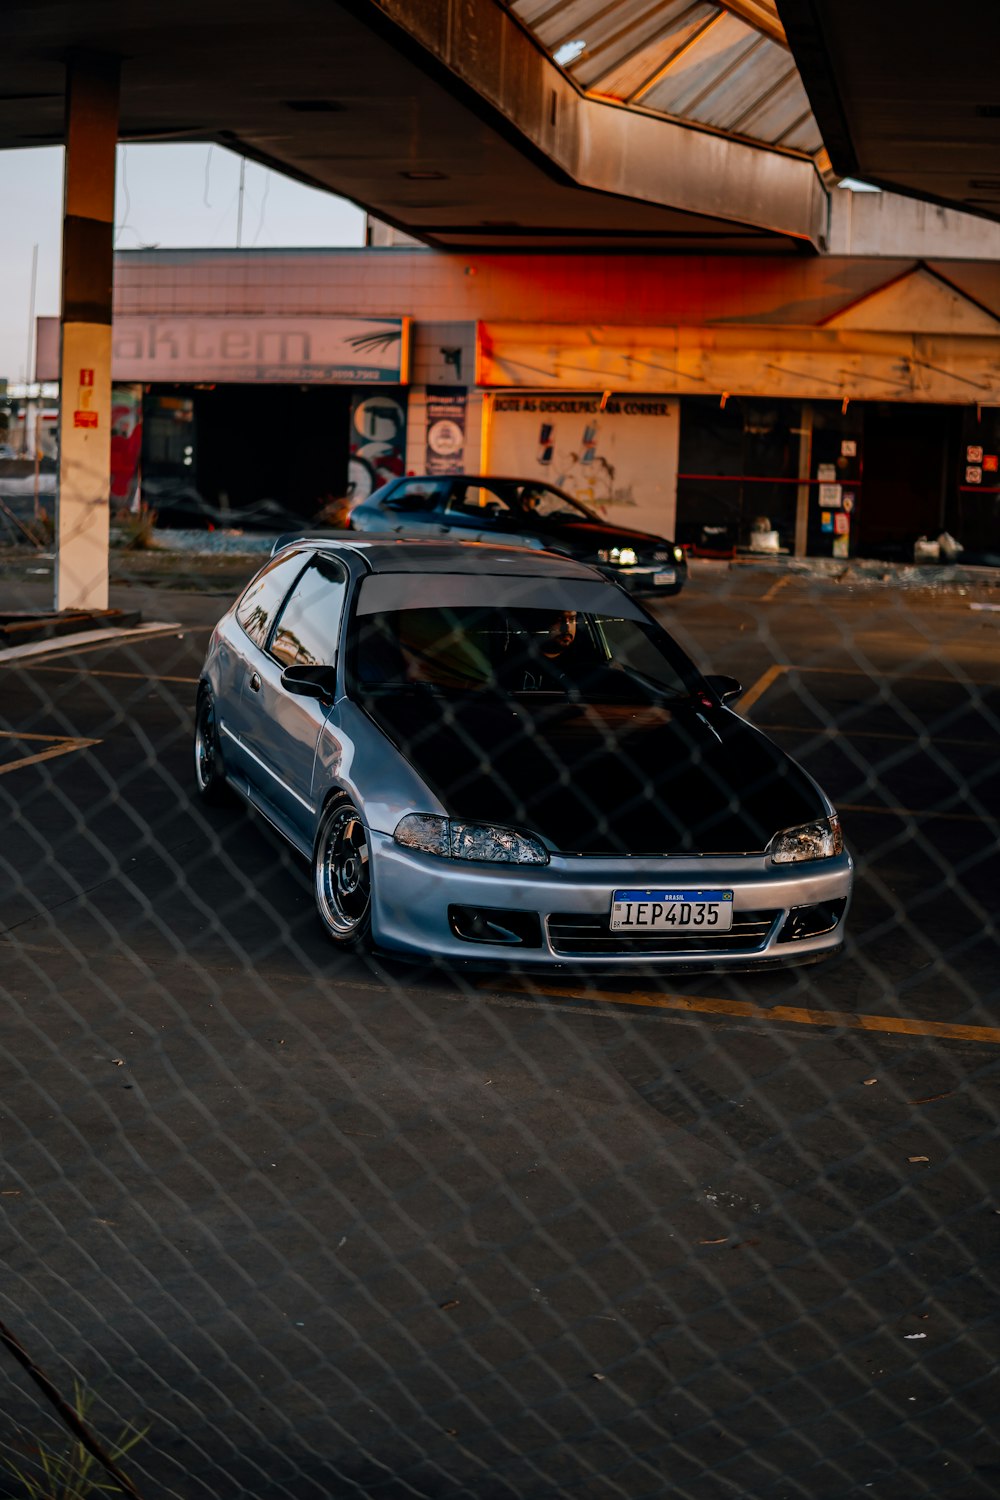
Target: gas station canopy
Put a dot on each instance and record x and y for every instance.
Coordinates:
(906, 93)
(683, 126)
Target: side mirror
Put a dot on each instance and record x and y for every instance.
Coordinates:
(311, 682)
(727, 688)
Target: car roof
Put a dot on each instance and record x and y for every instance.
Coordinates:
(411, 555)
(475, 479)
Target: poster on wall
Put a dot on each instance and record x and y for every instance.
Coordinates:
(126, 445)
(378, 441)
(616, 454)
(445, 429)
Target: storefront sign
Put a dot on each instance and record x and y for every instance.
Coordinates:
(740, 358)
(223, 348)
(445, 413)
(614, 406)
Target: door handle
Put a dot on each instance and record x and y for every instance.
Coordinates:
(254, 682)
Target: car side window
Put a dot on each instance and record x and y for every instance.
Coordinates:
(307, 632)
(477, 500)
(417, 494)
(257, 609)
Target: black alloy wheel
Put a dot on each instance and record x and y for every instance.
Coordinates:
(209, 773)
(342, 875)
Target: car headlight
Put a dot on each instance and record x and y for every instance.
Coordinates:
(484, 841)
(820, 840)
(678, 554)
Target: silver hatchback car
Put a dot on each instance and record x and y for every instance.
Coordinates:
(490, 753)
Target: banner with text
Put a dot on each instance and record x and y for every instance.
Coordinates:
(620, 460)
(445, 411)
(244, 350)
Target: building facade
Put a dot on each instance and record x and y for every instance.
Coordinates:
(844, 403)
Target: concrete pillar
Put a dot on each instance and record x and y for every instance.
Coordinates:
(81, 571)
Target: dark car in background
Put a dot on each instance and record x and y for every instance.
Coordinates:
(525, 512)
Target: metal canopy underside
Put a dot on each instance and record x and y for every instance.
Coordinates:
(443, 117)
(727, 67)
(906, 93)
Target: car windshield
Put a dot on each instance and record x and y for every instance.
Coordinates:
(511, 652)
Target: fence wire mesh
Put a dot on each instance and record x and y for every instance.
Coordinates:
(330, 1225)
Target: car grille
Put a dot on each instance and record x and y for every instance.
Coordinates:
(574, 932)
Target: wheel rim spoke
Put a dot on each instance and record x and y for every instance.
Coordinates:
(206, 744)
(344, 876)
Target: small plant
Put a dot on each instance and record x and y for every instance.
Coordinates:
(71, 1473)
(137, 527)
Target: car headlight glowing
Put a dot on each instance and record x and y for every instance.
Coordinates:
(820, 840)
(627, 557)
(483, 841)
(678, 554)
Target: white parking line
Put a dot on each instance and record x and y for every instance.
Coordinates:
(85, 640)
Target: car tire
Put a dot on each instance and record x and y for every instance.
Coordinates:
(342, 875)
(209, 772)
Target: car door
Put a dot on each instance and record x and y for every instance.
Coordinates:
(243, 653)
(283, 728)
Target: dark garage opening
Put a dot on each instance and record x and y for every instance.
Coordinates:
(909, 460)
(272, 442)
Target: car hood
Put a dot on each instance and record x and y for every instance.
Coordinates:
(602, 779)
(584, 538)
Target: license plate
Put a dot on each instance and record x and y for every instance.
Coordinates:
(663, 577)
(671, 911)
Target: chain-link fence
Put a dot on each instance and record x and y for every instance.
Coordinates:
(323, 1223)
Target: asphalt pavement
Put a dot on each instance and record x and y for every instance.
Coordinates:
(334, 1227)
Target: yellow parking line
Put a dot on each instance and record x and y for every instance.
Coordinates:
(890, 676)
(922, 813)
(61, 747)
(827, 731)
(772, 591)
(760, 687)
(97, 672)
(771, 674)
(18, 734)
(790, 1014)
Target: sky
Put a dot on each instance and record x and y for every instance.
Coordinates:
(172, 196)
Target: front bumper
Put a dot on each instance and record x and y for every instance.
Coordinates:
(642, 577)
(412, 893)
